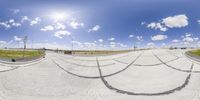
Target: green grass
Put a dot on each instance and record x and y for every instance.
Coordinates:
(16, 54)
(96, 52)
(195, 52)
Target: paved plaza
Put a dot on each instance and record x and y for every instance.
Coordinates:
(158, 74)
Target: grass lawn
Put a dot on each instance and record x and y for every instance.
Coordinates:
(195, 52)
(17, 54)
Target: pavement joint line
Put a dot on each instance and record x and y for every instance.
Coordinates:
(120, 61)
(81, 76)
(149, 64)
(95, 77)
(2, 71)
(95, 59)
(178, 69)
(157, 63)
(107, 65)
(144, 94)
(172, 54)
(73, 58)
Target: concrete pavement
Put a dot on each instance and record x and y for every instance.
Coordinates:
(158, 74)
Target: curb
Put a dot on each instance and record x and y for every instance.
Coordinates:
(192, 56)
(13, 64)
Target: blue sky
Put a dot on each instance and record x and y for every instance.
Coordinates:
(99, 24)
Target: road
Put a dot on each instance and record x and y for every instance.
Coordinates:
(158, 74)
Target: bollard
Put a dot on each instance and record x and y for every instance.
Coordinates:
(13, 60)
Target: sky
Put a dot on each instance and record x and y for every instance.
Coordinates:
(99, 24)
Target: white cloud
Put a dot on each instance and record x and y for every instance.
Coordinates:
(111, 39)
(150, 44)
(196, 39)
(60, 34)
(16, 38)
(6, 25)
(100, 40)
(188, 34)
(35, 21)
(156, 26)
(57, 26)
(2, 43)
(112, 43)
(15, 11)
(24, 18)
(32, 21)
(198, 21)
(16, 24)
(75, 24)
(130, 36)
(94, 29)
(118, 44)
(76, 42)
(89, 45)
(175, 41)
(159, 37)
(47, 28)
(177, 21)
(112, 46)
(48, 45)
(60, 26)
(122, 45)
(140, 38)
(13, 23)
(143, 23)
(152, 25)
(163, 44)
(188, 39)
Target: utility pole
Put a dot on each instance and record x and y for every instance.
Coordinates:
(32, 44)
(72, 44)
(25, 41)
(18, 45)
(133, 45)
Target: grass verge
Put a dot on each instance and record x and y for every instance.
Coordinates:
(95, 52)
(19, 54)
(195, 52)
